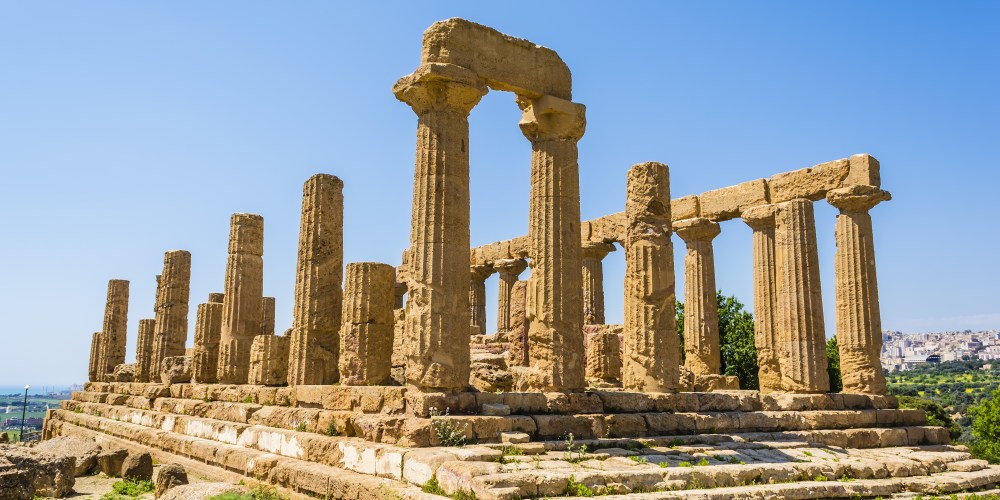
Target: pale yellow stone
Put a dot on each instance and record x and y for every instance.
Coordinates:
(93, 373)
(761, 220)
(593, 281)
(685, 207)
(864, 171)
(267, 316)
(508, 270)
(242, 309)
(173, 293)
(701, 314)
(144, 350)
(367, 330)
(729, 202)
(477, 297)
(604, 357)
(207, 334)
(518, 332)
(268, 360)
(808, 183)
(115, 328)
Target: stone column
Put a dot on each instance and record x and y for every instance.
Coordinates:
(555, 301)
(801, 340)
(207, 330)
(701, 310)
(115, 327)
(477, 297)
(437, 311)
(366, 335)
(517, 336)
(651, 354)
(173, 293)
(242, 309)
(859, 321)
(93, 373)
(509, 270)
(144, 349)
(267, 316)
(761, 220)
(592, 253)
(216, 298)
(315, 338)
(268, 360)
(604, 358)
(399, 293)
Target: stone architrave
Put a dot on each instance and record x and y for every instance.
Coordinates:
(366, 335)
(173, 293)
(115, 327)
(801, 340)
(437, 308)
(93, 373)
(651, 354)
(761, 221)
(207, 330)
(477, 297)
(517, 336)
(859, 321)
(555, 289)
(268, 360)
(701, 314)
(509, 270)
(315, 338)
(144, 350)
(242, 309)
(267, 316)
(592, 253)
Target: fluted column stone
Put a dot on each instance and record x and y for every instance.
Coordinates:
(93, 372)
(244, 287)
(508, 270)
(173, 293)
(115, 327)
(267, 316)
(701, 314)
(367, 331)
(207, 333)
(592, 253)
(144, 350)
(761, 221)
(477, 297)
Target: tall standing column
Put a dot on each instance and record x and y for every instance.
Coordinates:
(651, 355)
(701, 310)
(93, 372)
(207, 330)
(592, 253)
(144, 349)
(761, 220)
(437, 308)
(801, 339)
(859, 321)
(509, 270)
(555, 301)
(173, 292)
(244, 292)
(115, 326)
(366, 335)
(477, 297)
(315, 339)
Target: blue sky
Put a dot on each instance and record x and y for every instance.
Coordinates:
(128, 129)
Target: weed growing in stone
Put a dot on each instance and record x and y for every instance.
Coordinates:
(575, 489)
(639, 459)
(128, 488)
(447, 431)
(331, 430)
(703, 462)
(685, 464)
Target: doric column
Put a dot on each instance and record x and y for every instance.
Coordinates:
(651, 353)
(242, 309)
(437, 311)
(859, 321)
(366, 334)
(173, 292)
(268, 360)
(315, 338)
(144, 349)
(93, 373)
(801, 340)
(517, 336)
(592, 253)
(761, 220)
(115, 327)
(555, 299)
(207, 331)
(477, 297)
(701, 310)
(604, 358)
(267, 316)
(509, 270)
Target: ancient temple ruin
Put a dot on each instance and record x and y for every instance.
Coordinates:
(388, 378)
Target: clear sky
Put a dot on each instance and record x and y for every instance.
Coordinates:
(131, 128)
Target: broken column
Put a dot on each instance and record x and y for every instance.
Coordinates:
(437, 310)
(651, 355)
(115, 327)
(366, 334)
(144, 350)
(477, 297)
(604, 357)
(859, 321)
(701, 313)
(509, 270)
(242, 309)
(267, 316)
(761, 221)
(315, 340)
(93, 373)
(173, 292)
(555, 303)
(207, 330)
(268, 360)
(592, 253)
(801, 340)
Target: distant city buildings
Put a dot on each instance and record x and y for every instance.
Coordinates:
(904, 351)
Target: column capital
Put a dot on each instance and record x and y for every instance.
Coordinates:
(696, 229)
(480, 273)
(440, 86)
(596, 250)
(510, 266)
(857, 198)
(759, 217)
(551, 118)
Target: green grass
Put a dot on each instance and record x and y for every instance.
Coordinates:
(128, 488)
(257, 492)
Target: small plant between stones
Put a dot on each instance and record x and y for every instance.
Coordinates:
(448, 432)
(128, 488)
(573, 452)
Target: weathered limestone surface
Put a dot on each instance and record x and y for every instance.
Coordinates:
(267, 316)
(555, 302)
(115, 327)
(367, 331)
(650, 342)
(509, 270)
(242, 309)
(604, 355)
(315, 340)
(175, 370)
(801, 340)
(518, 333)
(728, 202)
(859, 321)
(216, 298)
(207, 333)
(144, 350)
(172, 295)
(591, 255)
(701, 314)
(808, 183)
(864, 170)
(93, 372)
(437, 309)
(761, 220)
(269, 360)
(477, 297)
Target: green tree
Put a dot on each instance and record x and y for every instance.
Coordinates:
(986, 429)
(736, 335)
(833, 364)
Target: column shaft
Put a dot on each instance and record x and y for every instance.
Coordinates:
(173, 293)
(701, 310)
(761, 220)
(144, 349)
(115, 327)
(592, 255)
(477, 297)
(244, 287)
(207, 332)
(93, 373)
(508, 270)
(367, 331)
